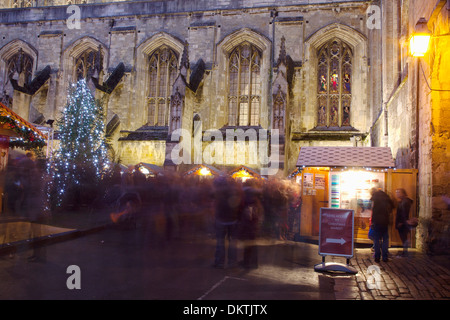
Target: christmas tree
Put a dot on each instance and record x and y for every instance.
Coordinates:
(81, 161)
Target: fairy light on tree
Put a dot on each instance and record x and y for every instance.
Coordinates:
(81, 161)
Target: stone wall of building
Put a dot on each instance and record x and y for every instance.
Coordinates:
(413, 119)
(392, 101)
(219, 4)
(146, 151)
(437, 86)
(128, 32)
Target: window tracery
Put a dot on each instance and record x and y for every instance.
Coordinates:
(175, 117)
(244, 98)
(88, 64)
(334, 84)
(279, 107)
(162, 74)
(20, 68)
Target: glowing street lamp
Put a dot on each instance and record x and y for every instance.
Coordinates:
(420, 39)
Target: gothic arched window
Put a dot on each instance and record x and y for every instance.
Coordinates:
(88, 63)
(162, 74)
(334, 84)
(20, 68)
(244, 98)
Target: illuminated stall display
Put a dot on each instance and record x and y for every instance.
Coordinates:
(16, 132)
(243, 173)
(149, 170)
(296, 176)
(341, 177)
(20, 133)
(203, 171)
(350, 189)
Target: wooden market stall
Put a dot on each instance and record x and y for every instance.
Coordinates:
(296, 176)
(149, 170)
(15, 132)
(341, 177)
(243, 173)
(203, 170)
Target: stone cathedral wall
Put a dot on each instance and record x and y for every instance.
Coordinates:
(127, 31)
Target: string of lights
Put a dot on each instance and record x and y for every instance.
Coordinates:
(28, 137)
(82, 155)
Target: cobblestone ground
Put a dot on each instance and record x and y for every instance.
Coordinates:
(416, 277)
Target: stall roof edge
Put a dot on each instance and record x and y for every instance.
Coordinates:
(364, 157)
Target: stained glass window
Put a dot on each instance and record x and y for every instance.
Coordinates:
(334, 84)
(162, 74)
(244, 83)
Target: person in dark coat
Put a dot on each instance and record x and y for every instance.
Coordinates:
(250, 223)
(14, 191)
(34, 206)
(382, 206)
(228, 205)
(402, 216)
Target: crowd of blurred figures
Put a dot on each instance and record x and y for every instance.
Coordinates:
(164, 206)
(184, 203)
(176, 205)
(229, 210)
(202, 201)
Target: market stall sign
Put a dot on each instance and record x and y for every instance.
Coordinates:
(336, 232)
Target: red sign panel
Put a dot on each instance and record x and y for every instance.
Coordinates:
(336, 232)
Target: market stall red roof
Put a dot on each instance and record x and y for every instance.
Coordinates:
(23, 134)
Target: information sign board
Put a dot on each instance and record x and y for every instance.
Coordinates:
(336, 232)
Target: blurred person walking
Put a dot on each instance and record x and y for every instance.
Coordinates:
(382, 206)
(228, 204)
(295, 206)
(250, 225)
(402, 216)
(14, 189)
(281, 204)
(34, 205)
(171, 204)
